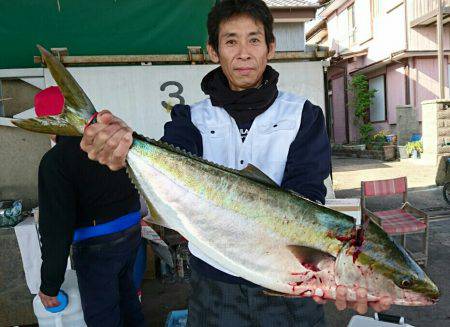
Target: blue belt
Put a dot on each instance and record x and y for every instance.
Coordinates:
(114, 226)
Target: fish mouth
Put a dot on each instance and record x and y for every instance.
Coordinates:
(410, 298)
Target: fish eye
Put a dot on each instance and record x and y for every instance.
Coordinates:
(406, 282)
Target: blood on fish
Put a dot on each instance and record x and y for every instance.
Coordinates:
(359, 237)
(293, 284)
(310, 266)
(356, 253)
(342, 238)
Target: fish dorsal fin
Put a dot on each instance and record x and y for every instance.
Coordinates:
(256, 174)
(259, 177)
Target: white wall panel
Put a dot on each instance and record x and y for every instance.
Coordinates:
(134, 92)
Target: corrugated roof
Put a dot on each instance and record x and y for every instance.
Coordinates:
(291, 3)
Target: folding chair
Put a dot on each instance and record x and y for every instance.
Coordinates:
(402, 221)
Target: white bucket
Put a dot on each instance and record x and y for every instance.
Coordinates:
(377, 321)
(71, 316)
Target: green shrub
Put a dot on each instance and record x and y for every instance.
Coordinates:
(362, 99)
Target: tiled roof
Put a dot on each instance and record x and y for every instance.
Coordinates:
(291, 3)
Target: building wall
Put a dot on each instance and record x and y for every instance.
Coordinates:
(424, 38)
(337, 85)
(370, 33)
(137, 93)
(395, 90)
(382, 35)
(20, 151)
(425, 82)
(20, 154)
(289, 36)
(394, 93)
(388, 35)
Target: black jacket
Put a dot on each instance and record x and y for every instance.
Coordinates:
(74, 191)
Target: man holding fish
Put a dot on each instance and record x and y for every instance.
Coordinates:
(246, 120)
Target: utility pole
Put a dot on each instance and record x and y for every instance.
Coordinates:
(440, 42)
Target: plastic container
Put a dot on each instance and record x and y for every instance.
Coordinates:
(177, 318)
(379, 320)
(63, 302)
(71, 315)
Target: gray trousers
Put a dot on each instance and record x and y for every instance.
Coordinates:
(213, 303)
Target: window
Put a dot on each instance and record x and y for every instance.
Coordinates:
(378, 106)
(351, 25)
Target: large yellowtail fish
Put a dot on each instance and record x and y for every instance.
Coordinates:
(246, 223)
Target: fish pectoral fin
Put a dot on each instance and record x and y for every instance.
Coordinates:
(308, 257)
(256, 174)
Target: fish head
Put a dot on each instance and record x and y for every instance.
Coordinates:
(384, 268)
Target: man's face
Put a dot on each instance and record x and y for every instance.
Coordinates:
(243, 52)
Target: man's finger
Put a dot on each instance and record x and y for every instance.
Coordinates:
(90, 133)
(376, 306)
(122, 135)
(117, 160)
(385, 303)
(319, 300)
(361, 301)
(104, 117)
(116, 148)
(341, 297)
(52, 303)
(48, 301)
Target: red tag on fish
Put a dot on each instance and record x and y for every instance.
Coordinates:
(49, 102)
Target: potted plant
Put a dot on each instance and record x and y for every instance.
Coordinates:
(378, 140)
(414, 149)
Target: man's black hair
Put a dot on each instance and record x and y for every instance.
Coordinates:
(224, 10)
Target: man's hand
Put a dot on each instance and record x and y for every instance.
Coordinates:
(360, 305)
(107, 141)
(48, 301)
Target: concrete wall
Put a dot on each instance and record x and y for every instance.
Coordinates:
(436, 129)
(20, 151)
(20, 154)
(407, 123)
